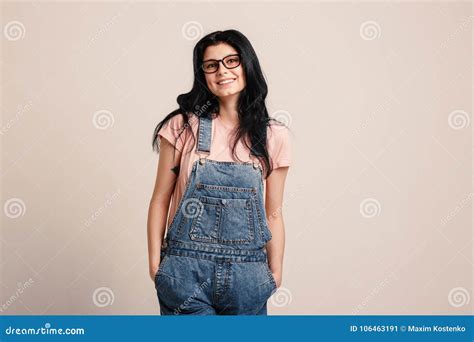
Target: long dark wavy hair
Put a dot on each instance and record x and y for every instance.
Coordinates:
(252, 111)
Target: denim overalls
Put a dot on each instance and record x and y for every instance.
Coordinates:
(213, 259)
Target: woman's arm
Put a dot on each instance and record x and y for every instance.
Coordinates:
(159, 203)
(275, 185)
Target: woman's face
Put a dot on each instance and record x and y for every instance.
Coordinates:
(214, 80)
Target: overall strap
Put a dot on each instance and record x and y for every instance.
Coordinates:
(204, 135)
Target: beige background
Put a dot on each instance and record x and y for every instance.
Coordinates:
(378, 199)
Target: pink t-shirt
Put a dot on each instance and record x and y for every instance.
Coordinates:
(278, 145)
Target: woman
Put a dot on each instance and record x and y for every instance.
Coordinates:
(220, 156)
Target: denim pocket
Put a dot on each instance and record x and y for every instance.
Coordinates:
(223, 220)
(163, 263)
(270, 276)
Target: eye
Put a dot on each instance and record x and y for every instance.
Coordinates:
(210, 65)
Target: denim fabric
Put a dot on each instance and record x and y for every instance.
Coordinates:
(213, 258)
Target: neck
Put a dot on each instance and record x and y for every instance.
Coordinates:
(228, 110)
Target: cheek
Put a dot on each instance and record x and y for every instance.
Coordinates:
(209, 81)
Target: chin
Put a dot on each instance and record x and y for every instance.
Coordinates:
(229, 92)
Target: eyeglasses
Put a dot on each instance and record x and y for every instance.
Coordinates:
(212, 65)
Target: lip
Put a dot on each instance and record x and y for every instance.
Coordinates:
(225, 79)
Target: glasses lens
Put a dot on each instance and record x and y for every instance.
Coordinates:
(210, 66)
(232, 61)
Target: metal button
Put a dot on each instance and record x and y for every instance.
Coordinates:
(223, 201)
(202, 161)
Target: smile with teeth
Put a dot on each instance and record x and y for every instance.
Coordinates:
(226, 81)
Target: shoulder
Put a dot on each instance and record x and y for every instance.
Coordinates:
(277, 134)
(279, 144)
(181, 121)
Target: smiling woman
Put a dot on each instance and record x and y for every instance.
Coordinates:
(218, 84)
(223, 250)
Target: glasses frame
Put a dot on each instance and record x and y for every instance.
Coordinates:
(219, 61)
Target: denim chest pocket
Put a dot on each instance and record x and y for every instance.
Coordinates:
(223, 220)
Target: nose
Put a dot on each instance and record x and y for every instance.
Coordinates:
(221, 69)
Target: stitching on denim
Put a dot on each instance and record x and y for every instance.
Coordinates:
(160, 272)
(200, 185)
(218, 226)
(218, 289)
(199, 254)
(260, 222)
(227, 275)
(197, 220)
(270, 275)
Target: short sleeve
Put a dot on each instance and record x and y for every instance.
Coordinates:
(172, 130)
(279, 146)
